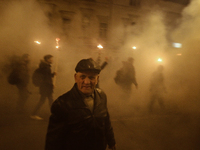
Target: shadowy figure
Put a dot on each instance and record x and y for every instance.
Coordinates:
(20, 76)
(157, 88)
(80, 119)
(46, 86)
(103, 65)
(125, 76)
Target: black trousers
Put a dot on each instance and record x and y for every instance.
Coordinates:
(42, 99)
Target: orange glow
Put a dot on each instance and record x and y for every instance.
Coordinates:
(37, 42)
(57, 44)
(134, 47)
(100, 46)
(159, 59)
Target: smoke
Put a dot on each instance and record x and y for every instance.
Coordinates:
(189, 25)
(152, 41)
(186, 68)
(24, 22)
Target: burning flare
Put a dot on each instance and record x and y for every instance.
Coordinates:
(100, 46)
(37, 42)
(159, 59)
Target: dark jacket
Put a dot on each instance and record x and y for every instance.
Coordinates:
(22, 74)
(157, 86)
(46, 86)
(72, 126)
(125, 76)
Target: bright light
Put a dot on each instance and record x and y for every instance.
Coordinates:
(134, 47)
(179, 54)
(159, 59)
(100, 46)
(57, 44)
(37, 42)
(177, 45)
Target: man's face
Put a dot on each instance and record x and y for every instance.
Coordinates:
(27, 59)
(50, 60)
(86, 81)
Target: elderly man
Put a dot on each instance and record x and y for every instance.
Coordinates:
(80, 118)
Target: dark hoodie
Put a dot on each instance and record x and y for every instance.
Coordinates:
(46, 86)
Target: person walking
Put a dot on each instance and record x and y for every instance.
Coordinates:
(21, 77)
(79, 118)
(126, 76)
(157, 88)
(46, 85)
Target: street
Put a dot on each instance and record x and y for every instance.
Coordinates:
(134, 131)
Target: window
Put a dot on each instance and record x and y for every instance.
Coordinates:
(103, 30)
(66, 20)
(135, 2)
(183, 2)
(66, 25)
(85, 21)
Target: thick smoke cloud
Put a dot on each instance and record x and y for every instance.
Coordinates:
(187, 34)
(24, 22)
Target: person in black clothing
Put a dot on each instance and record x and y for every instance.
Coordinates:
(126, 76)
(157, 88)
(46, 85)
(103, 65)
(22, 77)
(80, 118)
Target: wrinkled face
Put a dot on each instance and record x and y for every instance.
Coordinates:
(86, 81)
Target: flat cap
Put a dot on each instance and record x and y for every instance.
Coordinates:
(88, 65)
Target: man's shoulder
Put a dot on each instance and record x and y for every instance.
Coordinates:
(43, 65)
(100, 92)
(61, 102)
(64, 97)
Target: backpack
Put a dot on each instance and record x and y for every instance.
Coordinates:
(13, 78)
(119, 77)
(12, 68)
(37, 77)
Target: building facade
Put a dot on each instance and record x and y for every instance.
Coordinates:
(105, 21)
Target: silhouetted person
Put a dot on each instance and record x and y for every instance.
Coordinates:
(46, 86)
(125, 76)
(157, 88)
(103, 65)
(80, 118)
(22, 78)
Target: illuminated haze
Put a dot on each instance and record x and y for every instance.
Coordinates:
(25, 22)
